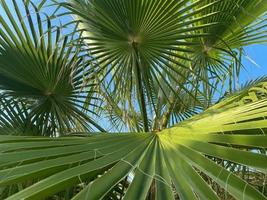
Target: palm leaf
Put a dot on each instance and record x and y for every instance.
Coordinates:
(139, 46)
(137, 42)
(178, 160)
(38, 63)
(15, 118)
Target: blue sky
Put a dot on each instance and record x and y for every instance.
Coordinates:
(257, 54)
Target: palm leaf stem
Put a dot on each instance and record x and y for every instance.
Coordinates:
(139, 86)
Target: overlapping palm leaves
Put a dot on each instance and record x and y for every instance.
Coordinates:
(238, 24)
(38, 64)
(155, 51)
(173, 161)
(15, 118)
(140, 46)
(123, 115)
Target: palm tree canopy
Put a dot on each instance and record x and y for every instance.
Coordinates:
(143, 48)
(38, 64)
(151, 68)
(105, 160)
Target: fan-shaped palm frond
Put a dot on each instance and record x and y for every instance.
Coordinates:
(138, 46)
(238, 23)
(36, 62)
(174, 161)
(15, 118)
(153, 63)
(136, 43)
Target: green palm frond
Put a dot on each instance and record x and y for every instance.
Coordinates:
(182, 46)
(146, 66)
(15, 118)
(38, 63)
(253, 82)
(238, 23)
(176, 161)
(138, 44)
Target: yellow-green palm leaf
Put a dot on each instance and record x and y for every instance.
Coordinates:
(177, 161)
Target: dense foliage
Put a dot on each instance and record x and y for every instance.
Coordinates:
(131, 99)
